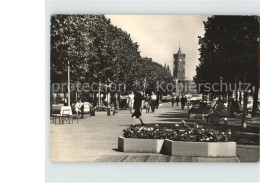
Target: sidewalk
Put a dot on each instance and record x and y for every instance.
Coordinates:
(95, 139)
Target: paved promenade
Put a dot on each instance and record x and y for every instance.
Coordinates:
(94, 139)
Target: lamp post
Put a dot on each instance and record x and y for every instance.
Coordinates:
(144, 85)
(99, 93)
(68, 83)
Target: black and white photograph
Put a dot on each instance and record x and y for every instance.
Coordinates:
(154, 88)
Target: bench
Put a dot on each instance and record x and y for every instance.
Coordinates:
(64, 113)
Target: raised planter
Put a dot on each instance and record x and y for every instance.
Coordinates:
(203, 149)
(140, 145)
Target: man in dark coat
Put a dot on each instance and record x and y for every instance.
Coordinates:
(177, 100)
(157, 102)
(182, 102)
(172, 100)
(186, 100)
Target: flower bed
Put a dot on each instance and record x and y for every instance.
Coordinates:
(179, 132)
(181, 139)
(141, 139)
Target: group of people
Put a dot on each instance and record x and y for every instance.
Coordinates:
(137, 101)
(151, 101)
(235, 108)
(183, 101)
(110, 106)
(217, 111)
(79, 107)
(147, 101)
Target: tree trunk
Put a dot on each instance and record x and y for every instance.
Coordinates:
(244, 112)
(236, 95)
(51, 99)
(255, 100)
(228, 99)
(240, 97)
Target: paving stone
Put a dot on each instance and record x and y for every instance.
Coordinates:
(117, 158)
(230, 159)
(104, 158)
(175, 159)
(153, 158)
(142, 158)
(130, 159)
(124, 158)
(163, 159)
(95, 139)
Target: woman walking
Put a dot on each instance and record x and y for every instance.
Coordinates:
(137, 107)
(147, 103)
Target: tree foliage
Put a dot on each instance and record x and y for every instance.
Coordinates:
(229, 49)
(97, 50)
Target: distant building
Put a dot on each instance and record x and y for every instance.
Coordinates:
(184, 85)
(179, 65)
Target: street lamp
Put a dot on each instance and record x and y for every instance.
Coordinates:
(68, 83)
(99, 93)
(144, 85)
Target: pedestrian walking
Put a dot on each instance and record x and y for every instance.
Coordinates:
(143, 101)
(147, 103)
(232, 108)
(182, 102)
(153, 102)
(66, 100)
(177, 100)
(131, 101)
(113, 104)
(172, 100)
(186, 101)
(137, 107)
(157, 102)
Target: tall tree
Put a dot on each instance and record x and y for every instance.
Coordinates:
(230, 49)
(97, 51)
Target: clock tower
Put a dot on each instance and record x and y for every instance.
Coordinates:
(179, 65)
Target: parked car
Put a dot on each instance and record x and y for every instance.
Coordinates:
(166, 98)
(196, 97)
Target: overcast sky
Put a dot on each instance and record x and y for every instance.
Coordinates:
(158, 36)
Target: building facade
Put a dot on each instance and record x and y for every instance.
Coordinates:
(179, 65)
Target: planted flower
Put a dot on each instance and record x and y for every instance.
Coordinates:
(182, 132)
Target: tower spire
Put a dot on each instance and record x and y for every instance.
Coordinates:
(179, 46)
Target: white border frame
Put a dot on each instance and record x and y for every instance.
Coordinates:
(78, 172)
